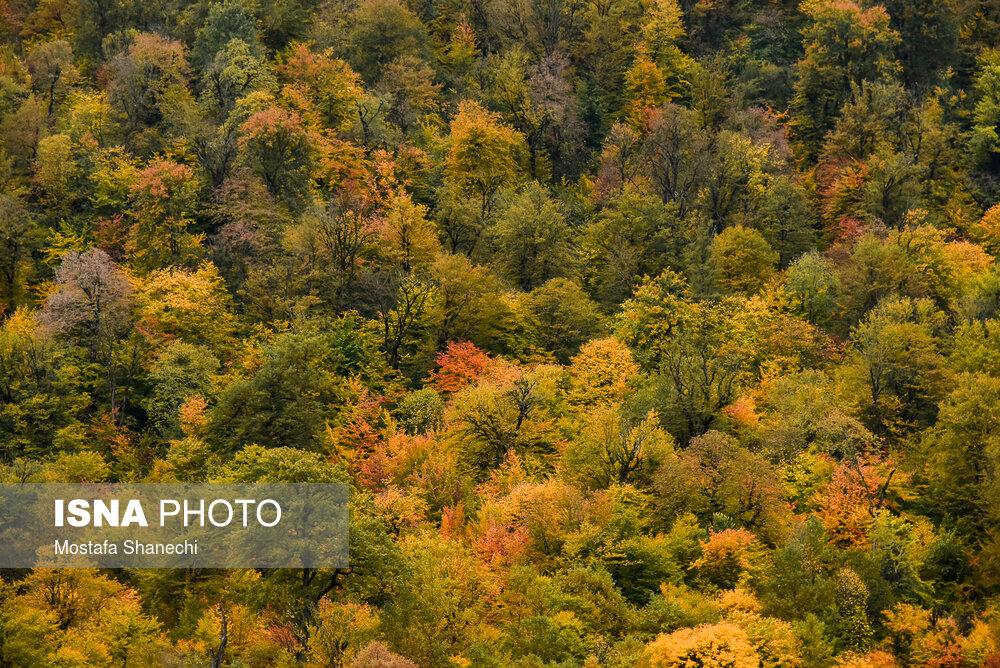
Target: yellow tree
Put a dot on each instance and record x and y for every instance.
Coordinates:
(190, 305)
(484, 154)
(722, 645)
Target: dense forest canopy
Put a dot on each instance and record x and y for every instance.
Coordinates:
(646, 332)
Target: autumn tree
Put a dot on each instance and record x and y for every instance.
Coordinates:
(331, 86)
(483, 156)
(275, 144)
(93, 307)
(741, 260)
(52, 69)
(146, 79)
(723, 644)
(163, 202)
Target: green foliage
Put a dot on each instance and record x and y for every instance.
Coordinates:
(741, 260)
(844, 44)
(421, 411)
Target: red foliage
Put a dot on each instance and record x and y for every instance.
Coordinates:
(950, 657)
(111, 235)
(500, 545)
(452, 522)
(460, 364)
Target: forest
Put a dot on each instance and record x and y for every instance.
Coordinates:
(655, 333)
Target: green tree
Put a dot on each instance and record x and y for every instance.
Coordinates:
(845, 44)
(180, 371)
(226, 21)
(813, 288)
(383, 31)
(531, 240)
(564, 317)
(741, 260)
(897, 361)
(298, 388)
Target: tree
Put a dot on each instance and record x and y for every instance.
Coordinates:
(42, 405)
(739, 184)
(57, 172)
(813, 288)
(960, 449)
(928, 44)
(714, 475)
(93, 307)
(145, 77)
(531, 238)
(344, 631)
(377, 655)
(460, 364)
(985, 140)
(234, 72)
(410, 239)
(163, 202)
(898, 362)
(675, 148)
(255, 464)
(421, 411)
(741, 260)
(332, 87)
(498, 418)
(852, 604)
(404, 318)
(634, 236)
(625, 450)
(384, 30)
(844, 44)
(483, 156)
(19, 238)
(298, 387)
(190, 306)
(701, 370)
(180, 371)
(537, 99)
(645, 89)
(601, 373)
(470, 304)
(409, 83)
(51, 68)
(563, 315)
(28, 636)
(650, 320)
(711, 646)
(275, 145)
(226, 21)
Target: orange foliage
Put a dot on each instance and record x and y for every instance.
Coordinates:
(854, 496)
(726, 555)
(723, 645)
(460, 364)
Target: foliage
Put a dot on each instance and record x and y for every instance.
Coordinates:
(644, 332)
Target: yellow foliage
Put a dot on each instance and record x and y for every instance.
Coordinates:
(987, 231)
(722, 645)
(190, 305)
(601, 372)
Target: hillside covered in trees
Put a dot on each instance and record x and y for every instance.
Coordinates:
(646, 332)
